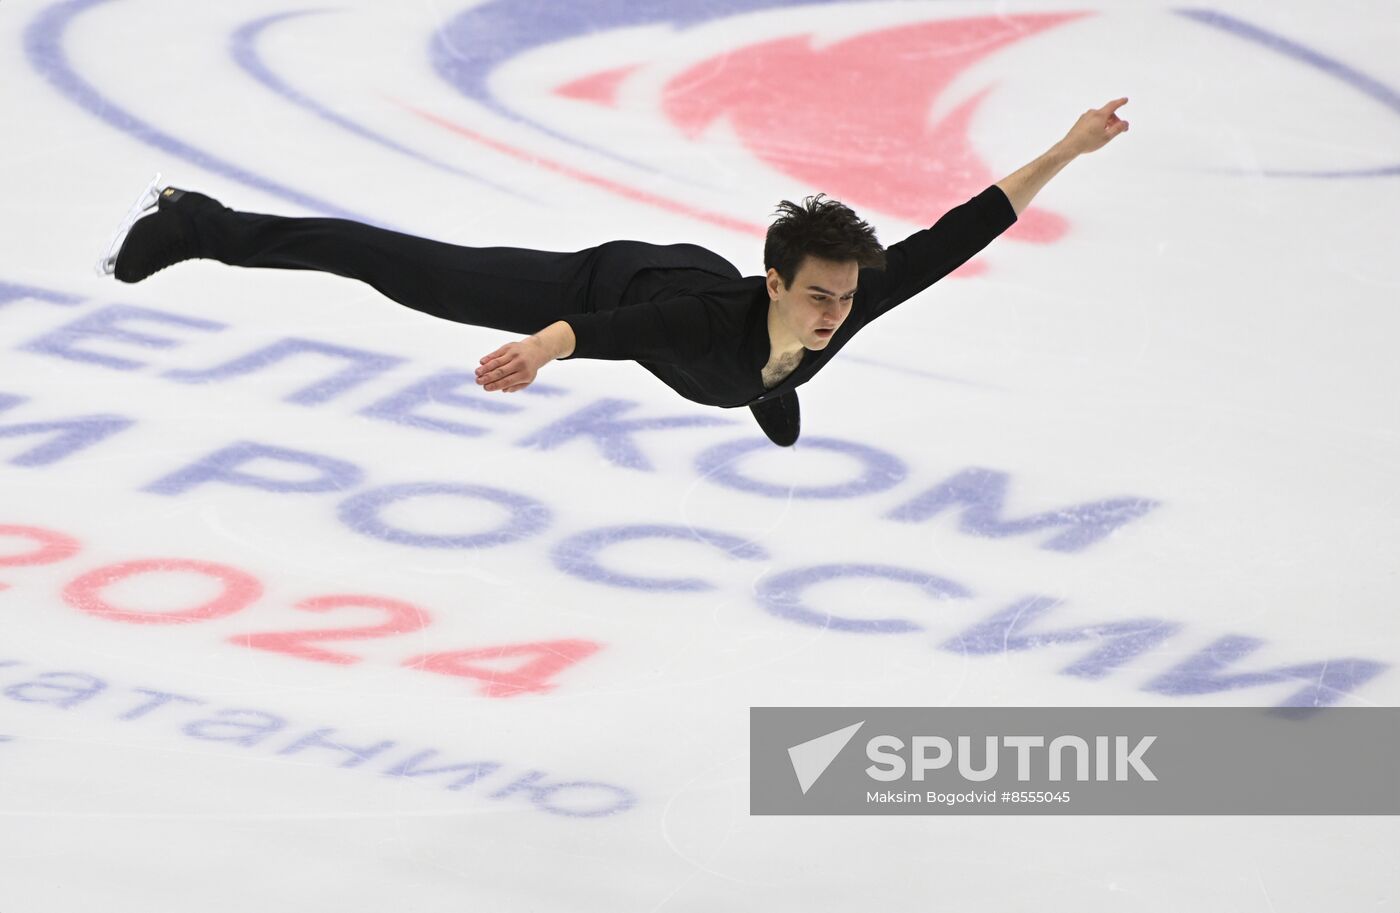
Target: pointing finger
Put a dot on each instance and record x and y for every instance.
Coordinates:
(1114, 105)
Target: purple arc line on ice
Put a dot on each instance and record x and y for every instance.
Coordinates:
(44, 48)
(1366, 85)
(472, 44)
(243, 47)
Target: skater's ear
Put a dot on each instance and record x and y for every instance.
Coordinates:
(776, 284)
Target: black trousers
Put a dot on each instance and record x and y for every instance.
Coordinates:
(505, 288)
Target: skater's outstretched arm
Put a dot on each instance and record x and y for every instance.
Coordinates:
(929, 254)
(1092, 131)
(926, 256)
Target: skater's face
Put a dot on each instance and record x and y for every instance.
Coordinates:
(817, 302)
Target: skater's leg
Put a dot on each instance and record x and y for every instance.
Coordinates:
(505, 288)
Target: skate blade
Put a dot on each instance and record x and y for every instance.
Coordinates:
(146, 202)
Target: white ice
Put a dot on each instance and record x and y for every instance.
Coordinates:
(1213, 332)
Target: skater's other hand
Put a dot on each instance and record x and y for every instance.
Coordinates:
(1096, 127)
(513, 366)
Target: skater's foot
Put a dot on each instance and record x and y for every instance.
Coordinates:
(165, 237)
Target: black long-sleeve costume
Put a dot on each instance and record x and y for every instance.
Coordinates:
(681, 311)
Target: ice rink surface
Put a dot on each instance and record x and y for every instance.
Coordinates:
(294, 618)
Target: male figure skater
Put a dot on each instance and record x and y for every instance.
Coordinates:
(684, 313)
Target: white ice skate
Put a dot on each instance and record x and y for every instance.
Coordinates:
(144, 204)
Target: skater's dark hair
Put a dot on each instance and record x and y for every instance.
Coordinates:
(822, 228)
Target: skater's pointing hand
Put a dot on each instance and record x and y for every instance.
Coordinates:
(1096, 127)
